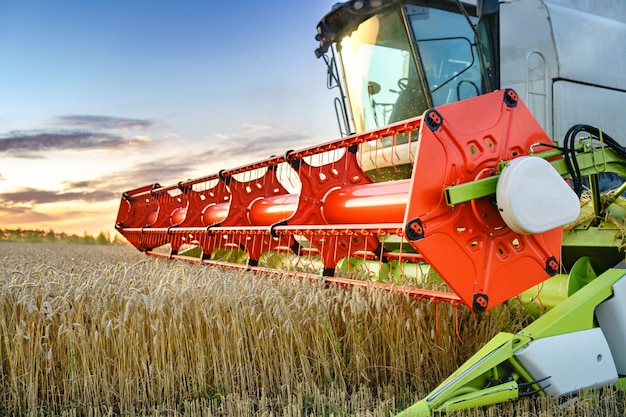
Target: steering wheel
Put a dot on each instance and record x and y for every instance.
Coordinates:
(403, 83)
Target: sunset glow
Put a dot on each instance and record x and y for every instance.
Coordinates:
(97, 99)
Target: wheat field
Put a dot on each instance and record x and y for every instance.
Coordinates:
(99, 330)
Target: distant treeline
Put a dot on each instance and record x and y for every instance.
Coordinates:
(22, 235)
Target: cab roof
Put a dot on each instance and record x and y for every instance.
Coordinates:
(345, 17)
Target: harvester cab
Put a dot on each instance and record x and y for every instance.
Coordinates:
(393, 60)
(470, 170)
(398, 59)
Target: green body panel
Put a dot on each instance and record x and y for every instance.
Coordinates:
(471, 190)
(588, 163)
(545, 296)
(601, 243)
(552, 292)
(493, 374)
(576, 312)
(491, 362)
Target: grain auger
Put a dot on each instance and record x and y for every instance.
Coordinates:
(445, 184)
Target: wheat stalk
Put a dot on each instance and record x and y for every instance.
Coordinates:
(107, 331)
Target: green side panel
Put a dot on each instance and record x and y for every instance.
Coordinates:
(541, 298)
(419, 409)
(545, 296)
(465, 388)
(493, 373)
(576, 312)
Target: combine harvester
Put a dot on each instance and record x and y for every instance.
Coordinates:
(456, 162)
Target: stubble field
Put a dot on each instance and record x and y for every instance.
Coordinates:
(98, 330)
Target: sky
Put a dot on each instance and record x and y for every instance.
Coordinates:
(100, 97)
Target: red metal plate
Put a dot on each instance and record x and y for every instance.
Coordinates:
(469, 245)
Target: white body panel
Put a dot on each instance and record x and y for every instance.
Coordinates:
(566, 59)
(611, 316)
(569, 362)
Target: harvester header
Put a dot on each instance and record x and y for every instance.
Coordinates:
(441, 217)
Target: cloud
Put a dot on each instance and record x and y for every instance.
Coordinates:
(255, 127)
(78, 132)
(19, 143)
(31, 196)
(109, 187)
(103, 122)
(78, 184)
(20, 215)
(171, 169)
(222, 136)
(255, 148)
(166, 171)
